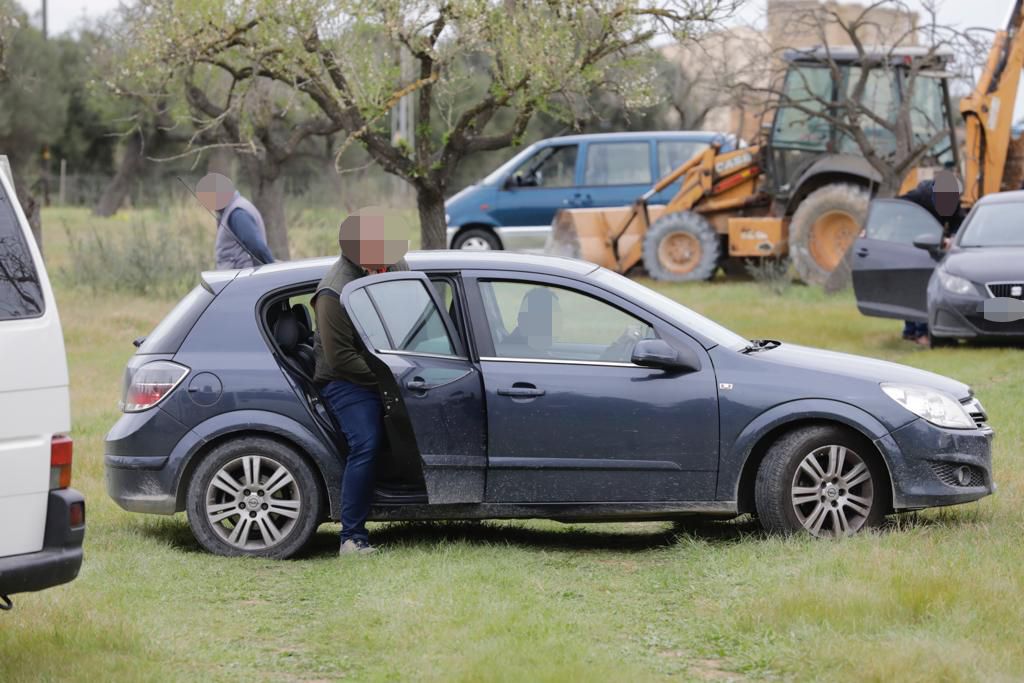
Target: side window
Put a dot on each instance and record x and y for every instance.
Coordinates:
(21, 295)
(550, 167)
(899, 221)
(674, 153)
(618, 163)
(806, 88)
(362, 310)
(538, 321)
(410, 319)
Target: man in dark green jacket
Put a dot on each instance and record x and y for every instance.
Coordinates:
(346, 382)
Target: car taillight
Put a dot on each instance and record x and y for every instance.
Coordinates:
(60, 462)
(150, 384)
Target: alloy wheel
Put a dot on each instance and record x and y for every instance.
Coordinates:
(832, 492)
(253, 502)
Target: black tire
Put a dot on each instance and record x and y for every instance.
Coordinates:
(776, 488)
(698, 241)
(815, 260)
(302, 495)
(477, 236)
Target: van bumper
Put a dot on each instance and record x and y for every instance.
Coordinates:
(61, 557)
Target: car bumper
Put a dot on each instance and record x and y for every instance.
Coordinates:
(61, 557)
(141, 484)
(925, 460)
(958, 317)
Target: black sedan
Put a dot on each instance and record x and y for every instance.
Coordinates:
(973, 290)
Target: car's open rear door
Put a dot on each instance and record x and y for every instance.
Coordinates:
(890, 274)
(433, 394)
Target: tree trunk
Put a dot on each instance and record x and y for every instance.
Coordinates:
(268, 196)
(129, 170)
(433, 227)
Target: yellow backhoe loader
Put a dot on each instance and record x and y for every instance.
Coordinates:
(804, 191)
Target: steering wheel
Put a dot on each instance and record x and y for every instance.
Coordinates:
(621, 349)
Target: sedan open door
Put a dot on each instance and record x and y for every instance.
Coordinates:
(433, 401)
(890, 274)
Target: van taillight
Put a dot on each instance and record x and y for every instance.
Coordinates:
(60, 462)
(149, 384)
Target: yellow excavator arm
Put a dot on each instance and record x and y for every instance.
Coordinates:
(988, 116)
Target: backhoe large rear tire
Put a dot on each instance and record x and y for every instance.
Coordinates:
(682, 247)
(824, 227)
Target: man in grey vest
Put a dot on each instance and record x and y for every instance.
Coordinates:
(241, 236)
(343, 376)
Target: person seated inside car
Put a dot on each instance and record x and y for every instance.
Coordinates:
(533, 336)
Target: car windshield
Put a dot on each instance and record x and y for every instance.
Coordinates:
(497, 174)
(670, 309)
(994, 225)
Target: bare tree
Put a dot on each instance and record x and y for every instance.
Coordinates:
(341, 55)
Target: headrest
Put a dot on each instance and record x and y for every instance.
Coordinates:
(301, 314)
(286, 332)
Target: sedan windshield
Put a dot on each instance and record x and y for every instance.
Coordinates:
(994, 225)
(670, 310)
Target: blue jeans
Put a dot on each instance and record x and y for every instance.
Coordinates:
(360, 414)
(912, 330)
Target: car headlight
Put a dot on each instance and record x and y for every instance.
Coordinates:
(955, 283)
(937, 407)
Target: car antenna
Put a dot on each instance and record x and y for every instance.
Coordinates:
(217, 218)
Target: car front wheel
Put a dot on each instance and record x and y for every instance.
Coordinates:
(822, 480)
(253, 496)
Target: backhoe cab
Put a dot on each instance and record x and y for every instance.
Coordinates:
(803, 192)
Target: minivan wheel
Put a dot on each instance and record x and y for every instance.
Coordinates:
(477, 239)
(821, 480)
(253, 496)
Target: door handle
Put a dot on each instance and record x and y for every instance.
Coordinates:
(521, 392)
(417, 384)
(862, 252)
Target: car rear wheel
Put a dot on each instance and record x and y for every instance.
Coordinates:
(823, 481)
(253, 496)
(477, 239)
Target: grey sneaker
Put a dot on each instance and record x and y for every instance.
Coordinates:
(356, 547)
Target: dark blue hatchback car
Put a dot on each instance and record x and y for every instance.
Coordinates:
(520, 386)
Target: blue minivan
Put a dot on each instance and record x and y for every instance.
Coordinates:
(512, 208)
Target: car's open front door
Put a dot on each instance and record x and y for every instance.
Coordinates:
(890, 274)
(432, 393)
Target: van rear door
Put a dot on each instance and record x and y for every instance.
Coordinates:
(34, 403)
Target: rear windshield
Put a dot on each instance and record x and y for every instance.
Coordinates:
(21, 295)
(172, 330)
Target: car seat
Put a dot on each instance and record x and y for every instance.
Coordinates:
(302, 317)
(292, 337)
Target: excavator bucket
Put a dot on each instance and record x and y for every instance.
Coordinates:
(586, 234)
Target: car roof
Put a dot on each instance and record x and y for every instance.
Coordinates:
(690, 135)
(1003, 197)
(314, 268)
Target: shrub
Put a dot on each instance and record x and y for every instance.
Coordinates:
(771, 274)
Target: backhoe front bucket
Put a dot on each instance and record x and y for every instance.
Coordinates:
(587, 233)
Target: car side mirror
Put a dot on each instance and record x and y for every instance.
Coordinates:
(657, 353)
(930, 242)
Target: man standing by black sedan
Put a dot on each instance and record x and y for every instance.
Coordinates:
(347, 384)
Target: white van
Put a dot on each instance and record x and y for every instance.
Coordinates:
(42, 521)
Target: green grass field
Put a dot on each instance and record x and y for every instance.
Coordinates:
(934, 596)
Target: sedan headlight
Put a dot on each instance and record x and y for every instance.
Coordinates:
(955, 283)
(937, 407)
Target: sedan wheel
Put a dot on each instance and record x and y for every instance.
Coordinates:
(832, 491)
(822, 480)
(253, 496)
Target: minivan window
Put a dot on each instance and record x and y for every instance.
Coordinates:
(550, 167)
(674, 153)
(172, 330)
(618, 163)
(21, 295)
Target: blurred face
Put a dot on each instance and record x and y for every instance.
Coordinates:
(215, 191)
(946, 193)
(373, 238)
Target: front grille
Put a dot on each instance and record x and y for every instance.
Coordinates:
(947, 472)
(999, 289)
(976, 411)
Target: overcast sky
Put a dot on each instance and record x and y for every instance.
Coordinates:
(961, 13)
